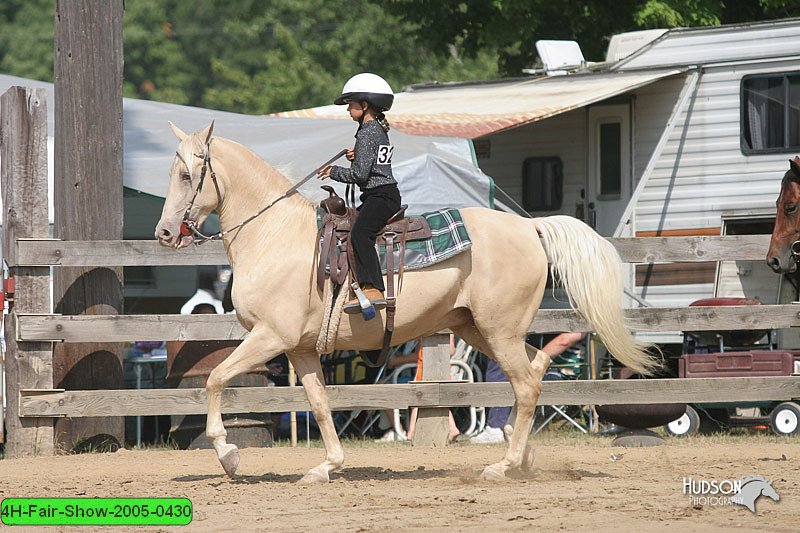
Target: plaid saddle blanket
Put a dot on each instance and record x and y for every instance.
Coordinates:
(449, 237)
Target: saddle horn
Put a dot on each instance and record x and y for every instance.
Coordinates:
(334, 203)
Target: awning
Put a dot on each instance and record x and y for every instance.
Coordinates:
(476, 110)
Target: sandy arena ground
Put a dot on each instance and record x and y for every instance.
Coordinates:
(578, 485)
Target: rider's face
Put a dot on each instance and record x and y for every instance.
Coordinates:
(355, 109)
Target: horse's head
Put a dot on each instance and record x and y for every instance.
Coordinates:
(193, 189)
(769, 491)
(786, 235)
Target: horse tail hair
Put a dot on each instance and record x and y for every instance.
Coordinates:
(588, 267)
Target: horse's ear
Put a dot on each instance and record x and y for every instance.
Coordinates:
(179, 133)
(794, 164)
(206, 133)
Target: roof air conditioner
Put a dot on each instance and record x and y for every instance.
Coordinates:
(558, 56)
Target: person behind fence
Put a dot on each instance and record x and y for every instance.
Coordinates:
(498, 416)
(204, 300)
(367, 97)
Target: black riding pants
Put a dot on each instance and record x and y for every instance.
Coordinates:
(377, 206)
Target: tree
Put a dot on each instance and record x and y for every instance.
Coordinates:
(26, 38)
(246, 56)
(512, 26)
(155, 64)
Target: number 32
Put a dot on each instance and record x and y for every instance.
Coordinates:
(385, 154)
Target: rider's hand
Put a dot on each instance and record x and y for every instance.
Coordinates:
(324, 173)
(350, 154)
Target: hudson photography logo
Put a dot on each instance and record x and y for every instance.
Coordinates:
(744, 491)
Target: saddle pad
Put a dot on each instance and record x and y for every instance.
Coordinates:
(449, 237)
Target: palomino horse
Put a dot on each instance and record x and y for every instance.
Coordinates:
(488, 295)
(784, 247)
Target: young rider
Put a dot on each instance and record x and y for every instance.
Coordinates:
(367, 97)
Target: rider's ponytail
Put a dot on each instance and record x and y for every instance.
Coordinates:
(381, 118)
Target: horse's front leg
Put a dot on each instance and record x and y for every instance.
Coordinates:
(309, 369)
(255, 350)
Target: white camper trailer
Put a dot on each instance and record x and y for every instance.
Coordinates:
(674, 130)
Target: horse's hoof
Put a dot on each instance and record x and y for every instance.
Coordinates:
(493, 472)
(230, 461)
(314, 477)
(528, 458)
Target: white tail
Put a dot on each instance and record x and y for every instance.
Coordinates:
(588, 267)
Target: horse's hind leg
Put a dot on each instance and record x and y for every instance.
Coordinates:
(525, 377)
(256, 349)
(309, 369)
(540, 362)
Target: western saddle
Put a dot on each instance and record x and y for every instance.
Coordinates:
(337, 254)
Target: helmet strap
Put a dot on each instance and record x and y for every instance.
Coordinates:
(364, 110)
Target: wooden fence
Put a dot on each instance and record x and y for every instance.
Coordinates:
(30, 332)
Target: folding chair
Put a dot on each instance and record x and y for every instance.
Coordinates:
(373, 416)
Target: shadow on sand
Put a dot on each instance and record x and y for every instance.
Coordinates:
(349, 474)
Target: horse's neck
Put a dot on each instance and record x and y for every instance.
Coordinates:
(250, 185)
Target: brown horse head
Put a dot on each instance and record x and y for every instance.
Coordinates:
(785, 240)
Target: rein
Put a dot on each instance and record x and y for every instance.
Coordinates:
(189, 226)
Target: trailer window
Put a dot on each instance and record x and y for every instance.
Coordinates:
(610, 139)
(542, 183)
(770, 113)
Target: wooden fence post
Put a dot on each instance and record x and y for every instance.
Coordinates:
(88, 197)
(29, 365)
(432, 423)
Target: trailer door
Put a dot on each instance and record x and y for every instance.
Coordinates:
(609, 172)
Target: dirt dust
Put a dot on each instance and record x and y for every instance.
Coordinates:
(583, 486)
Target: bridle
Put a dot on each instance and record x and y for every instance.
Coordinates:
(794, 248)
(189, 226)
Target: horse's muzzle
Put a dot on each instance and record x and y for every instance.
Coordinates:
(174, 239)
(782, 267)
(775, 264)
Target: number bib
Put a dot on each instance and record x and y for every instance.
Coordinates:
(385, 152)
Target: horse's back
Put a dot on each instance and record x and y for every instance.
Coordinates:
(500, 232)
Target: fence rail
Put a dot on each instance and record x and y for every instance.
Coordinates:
(54, 252)
(123, 328)
(57, 403)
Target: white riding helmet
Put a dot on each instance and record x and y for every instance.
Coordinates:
(368, 88)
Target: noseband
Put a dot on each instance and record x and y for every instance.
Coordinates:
(189, 226)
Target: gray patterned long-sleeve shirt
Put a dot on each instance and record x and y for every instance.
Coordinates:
(372, 164)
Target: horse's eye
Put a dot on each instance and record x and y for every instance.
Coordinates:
(186, 177)
(790, 209)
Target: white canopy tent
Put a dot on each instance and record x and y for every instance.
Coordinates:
(433, 172)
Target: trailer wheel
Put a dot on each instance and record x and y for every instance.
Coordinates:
(785, 419)
(688, 424)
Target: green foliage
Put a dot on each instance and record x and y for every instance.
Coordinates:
(26, 38)
(246, 56)
(511, 27)
(679, 13)
(155, 66)
(253, 56)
